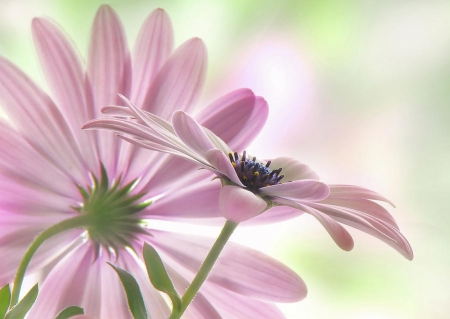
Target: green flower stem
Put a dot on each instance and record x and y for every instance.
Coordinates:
(205, 269)
(76, 222)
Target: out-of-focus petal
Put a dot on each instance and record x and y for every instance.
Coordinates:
(236, 117)
(191, 133)
(64, 73)
(307, 190)
(293, 170)
(200, 200)
(200, 307)
(17, 93)
(40, 173)
(240, 269)
(65, 286)
(14, 244)
(238, 204)
(357, 192)
(152, 47)
(178, 83)
(109, 73)
(222, 163)
(232, 305)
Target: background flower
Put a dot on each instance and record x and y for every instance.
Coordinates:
(362, 87)
(51, 171)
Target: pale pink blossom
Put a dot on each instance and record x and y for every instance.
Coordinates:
(51, 171)
(251, 189)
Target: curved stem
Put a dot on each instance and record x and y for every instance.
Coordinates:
(67, 224)
(205, 269)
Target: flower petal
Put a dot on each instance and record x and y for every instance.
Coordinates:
(232, 305)
(236, 117)
(240, 269)
(178, 83)
(293, 170)
(365, 206)
(109, 73)
(65, 285)
(238, 204)
(222, 163)
(17, 93)
(191, 133)
(307, 190)
(200, 200)
(339, 234)
(152, 47)
(64, 73)
(357, 192)
(274, 215)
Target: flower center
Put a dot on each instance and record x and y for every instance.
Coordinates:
(113, 222)
(252, 174)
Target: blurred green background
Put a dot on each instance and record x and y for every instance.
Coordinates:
(359, 90)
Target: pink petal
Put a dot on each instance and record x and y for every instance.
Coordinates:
(15, 240)
(109, 73)
(398, 242)
(236, 117)
(363, 205)
(240, 269)
(39, 123)
(200, 307)
(238, 204)
(339, 234)
(199, 200)
(153, 46)
(356, 192)
(305, 190)
(222, 163)
(65, 285)
(231, 305)
(293, 170)
(178, 83)
(64, 73)
(191, 133)
(369, 224)
(16, 166)
(274, 215)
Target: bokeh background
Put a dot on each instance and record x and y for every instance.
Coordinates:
(359, 90)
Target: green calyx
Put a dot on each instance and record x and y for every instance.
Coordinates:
(112, 221)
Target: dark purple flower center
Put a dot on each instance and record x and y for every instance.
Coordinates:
(252, 174)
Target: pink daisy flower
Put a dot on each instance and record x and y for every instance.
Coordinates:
(251, 188)
(53, 171)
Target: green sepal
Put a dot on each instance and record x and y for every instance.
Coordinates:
(70, 312)
(20, 310)
(158, 275)
(133, 292)
(5, 299)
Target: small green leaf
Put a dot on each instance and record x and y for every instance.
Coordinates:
(5, 299)
(134, 296)
(158, 275)
(20, 310)
(69, 312)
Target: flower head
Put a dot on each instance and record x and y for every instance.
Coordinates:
(52, 171)
(251, 189)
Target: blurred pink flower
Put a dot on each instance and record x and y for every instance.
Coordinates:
(250, 188)
(52, 171)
